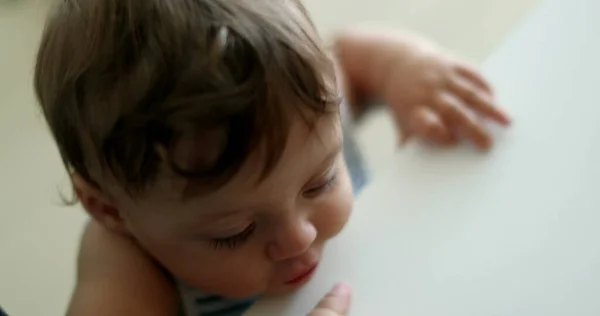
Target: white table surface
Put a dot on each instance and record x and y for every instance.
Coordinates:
(515, 232)
(39, 237)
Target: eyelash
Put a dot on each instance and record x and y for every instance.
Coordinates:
(233, 241)
(315, 191)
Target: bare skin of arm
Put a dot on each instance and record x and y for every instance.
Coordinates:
(115, 277)
(365, 60)
(431, 94)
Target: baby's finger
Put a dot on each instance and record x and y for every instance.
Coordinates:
(335, 303)
(476, 100)
(404, 129)
(460, 119)
(470, 73)
(428, 124)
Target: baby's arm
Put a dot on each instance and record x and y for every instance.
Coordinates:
(364, 58)
(431, 94)
(116, 278)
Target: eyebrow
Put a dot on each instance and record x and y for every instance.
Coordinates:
(192, 190)
(337, 149)
(327, 160)
(223, 214)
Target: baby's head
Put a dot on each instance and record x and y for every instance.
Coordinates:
(206, 130)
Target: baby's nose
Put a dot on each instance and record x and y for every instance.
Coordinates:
(292, 240)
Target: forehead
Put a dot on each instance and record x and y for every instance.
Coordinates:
(306, 148)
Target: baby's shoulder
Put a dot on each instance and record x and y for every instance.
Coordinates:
(115, 273)
(102, 247)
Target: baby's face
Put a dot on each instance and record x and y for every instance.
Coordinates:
(250, 237)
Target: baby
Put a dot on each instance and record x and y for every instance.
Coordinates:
(205, 140)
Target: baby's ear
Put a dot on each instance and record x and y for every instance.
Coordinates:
(98, 205)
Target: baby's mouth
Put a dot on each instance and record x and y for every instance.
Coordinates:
(303, 275)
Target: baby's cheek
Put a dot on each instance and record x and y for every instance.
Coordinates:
(236, 273)
(335, 211)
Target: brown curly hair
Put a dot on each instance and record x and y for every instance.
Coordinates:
(122, 82)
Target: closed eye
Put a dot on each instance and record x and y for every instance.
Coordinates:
(322, 187)
(234, 241)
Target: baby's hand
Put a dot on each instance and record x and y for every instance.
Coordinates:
(335, 303)
(439, 98)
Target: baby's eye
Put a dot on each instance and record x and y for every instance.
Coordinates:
(321, 187)
(232, 242)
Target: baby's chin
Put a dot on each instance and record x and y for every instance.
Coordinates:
(239, 293)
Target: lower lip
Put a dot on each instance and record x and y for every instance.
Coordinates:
(303, 277)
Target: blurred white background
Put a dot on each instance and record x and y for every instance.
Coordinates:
(39, 237)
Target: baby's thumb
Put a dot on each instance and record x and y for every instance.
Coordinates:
(335, 303)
